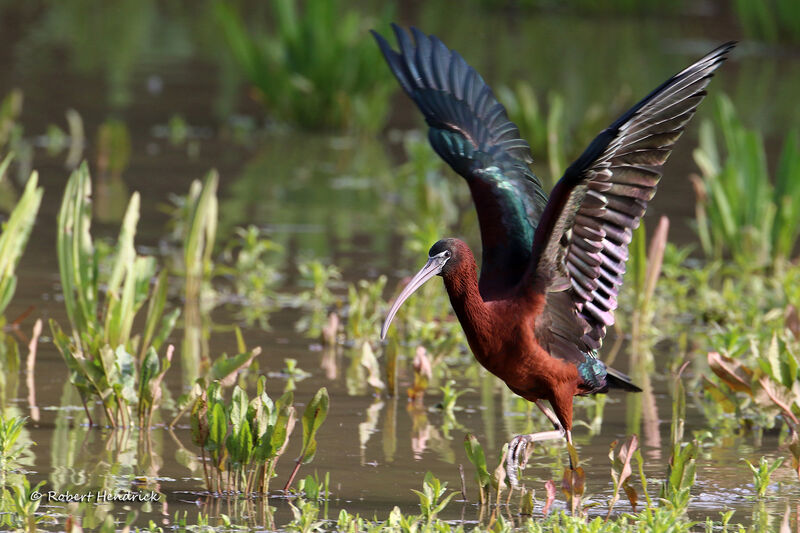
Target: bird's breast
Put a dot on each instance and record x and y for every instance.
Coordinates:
(501, 335)
(512, 353)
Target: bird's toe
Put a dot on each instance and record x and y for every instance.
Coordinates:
(518, 454)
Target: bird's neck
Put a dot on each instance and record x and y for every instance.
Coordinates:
(470, 308)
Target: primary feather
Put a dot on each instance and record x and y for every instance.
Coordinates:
(581, 244)
(471, 131)
(574, 246)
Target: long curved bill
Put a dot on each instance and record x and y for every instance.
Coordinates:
(432, 268)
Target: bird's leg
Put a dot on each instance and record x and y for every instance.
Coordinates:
(550, 415)
(568, 435)
(518, 447)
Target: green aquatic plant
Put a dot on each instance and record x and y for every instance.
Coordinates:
(316, 67)
(10, 111)
(738, 210)
(495, 479)
(428, 192)
(591, 6)
(757, 382)
(305, 515)
(317, 297)
(762, 473)
(642, 274)
(556, 133)
(23, 510)
(621, 471)
(317, 280)
(198, 220)
(14, 450)
(573, 484)
(251, 262)
(200, 223)
(17, 508)
(315, 489)
(477, 457)
(16, 231)
(771, 20)
(365, 308)
(225, 370)
(243, 437)
(102, 299)
(450, 396)
(682, 468)
(651, 518)
(433, 498)
(13, 141)
(314, 415)
(113, 148)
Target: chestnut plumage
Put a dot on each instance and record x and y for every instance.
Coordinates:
(551, 267)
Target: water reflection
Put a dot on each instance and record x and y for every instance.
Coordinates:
(30, 370)
(425, 435)
(368, 427)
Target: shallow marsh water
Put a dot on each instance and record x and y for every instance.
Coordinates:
(332, 197)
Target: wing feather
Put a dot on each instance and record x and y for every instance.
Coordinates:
(586, 227)
(471, 131)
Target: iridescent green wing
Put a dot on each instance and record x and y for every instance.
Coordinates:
(470, 130)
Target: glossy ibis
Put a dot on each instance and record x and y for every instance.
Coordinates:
(551, 268)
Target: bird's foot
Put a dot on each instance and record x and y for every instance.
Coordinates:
(518, 454)
(518, 451)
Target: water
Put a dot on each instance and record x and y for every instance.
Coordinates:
(335, 198)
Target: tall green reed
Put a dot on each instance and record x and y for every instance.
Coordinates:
(739, 212)
(199, 230)
(16, 231)
(316, 67)
(103, 296)
(770, 20)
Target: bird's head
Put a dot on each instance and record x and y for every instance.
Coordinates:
(444, 257)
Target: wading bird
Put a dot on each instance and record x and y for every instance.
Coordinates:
(551, 268)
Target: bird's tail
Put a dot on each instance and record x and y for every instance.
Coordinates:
(618, 380)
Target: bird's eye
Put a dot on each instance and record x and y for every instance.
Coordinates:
(447, 253)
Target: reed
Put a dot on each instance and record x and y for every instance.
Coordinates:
(103, 296)
(771, 20)
(16, 231)
(739, 212)
(316, 68)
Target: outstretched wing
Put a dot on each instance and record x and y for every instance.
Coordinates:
(470, 130)
(581, 244)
